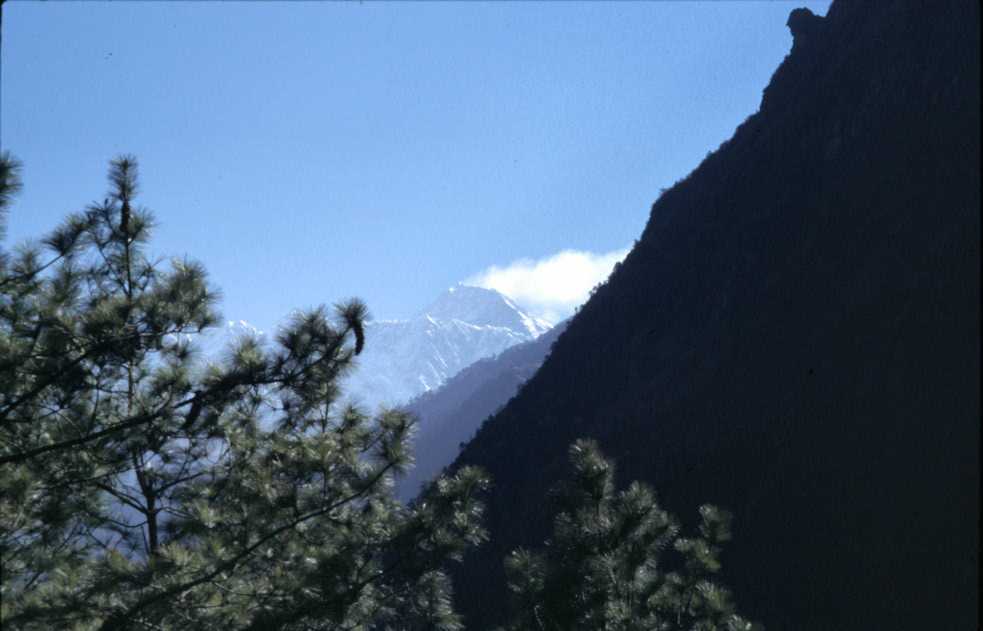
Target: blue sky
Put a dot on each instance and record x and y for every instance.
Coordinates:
(306, 152)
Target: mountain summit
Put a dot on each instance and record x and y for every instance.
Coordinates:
(485, 307)
(405, 358)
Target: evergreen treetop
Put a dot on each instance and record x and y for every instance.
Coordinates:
(618, 561)
(143, 488)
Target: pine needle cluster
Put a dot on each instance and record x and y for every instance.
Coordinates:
(618, 562)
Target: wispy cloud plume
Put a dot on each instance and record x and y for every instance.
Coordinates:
(550, 287)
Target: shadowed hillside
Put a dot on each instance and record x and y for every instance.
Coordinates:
(450, 415)
(795, 338)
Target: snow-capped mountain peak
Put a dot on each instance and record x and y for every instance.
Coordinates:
(405, 358)
(480, 306)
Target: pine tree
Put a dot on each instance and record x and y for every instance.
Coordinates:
(143, 488)
(617, 561)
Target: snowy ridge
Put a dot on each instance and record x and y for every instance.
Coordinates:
(405, 358)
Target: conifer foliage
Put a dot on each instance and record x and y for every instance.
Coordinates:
(145, 489)
(617, 561)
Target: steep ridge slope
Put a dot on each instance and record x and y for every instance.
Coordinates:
(452, 413)
(795, 338)
(404, 358)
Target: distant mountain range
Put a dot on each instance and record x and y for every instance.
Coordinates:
(452, 365)
(406, 358)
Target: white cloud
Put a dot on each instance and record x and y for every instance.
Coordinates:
(550, 287)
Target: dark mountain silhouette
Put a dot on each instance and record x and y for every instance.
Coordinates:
(450, 415)
(795, 337)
